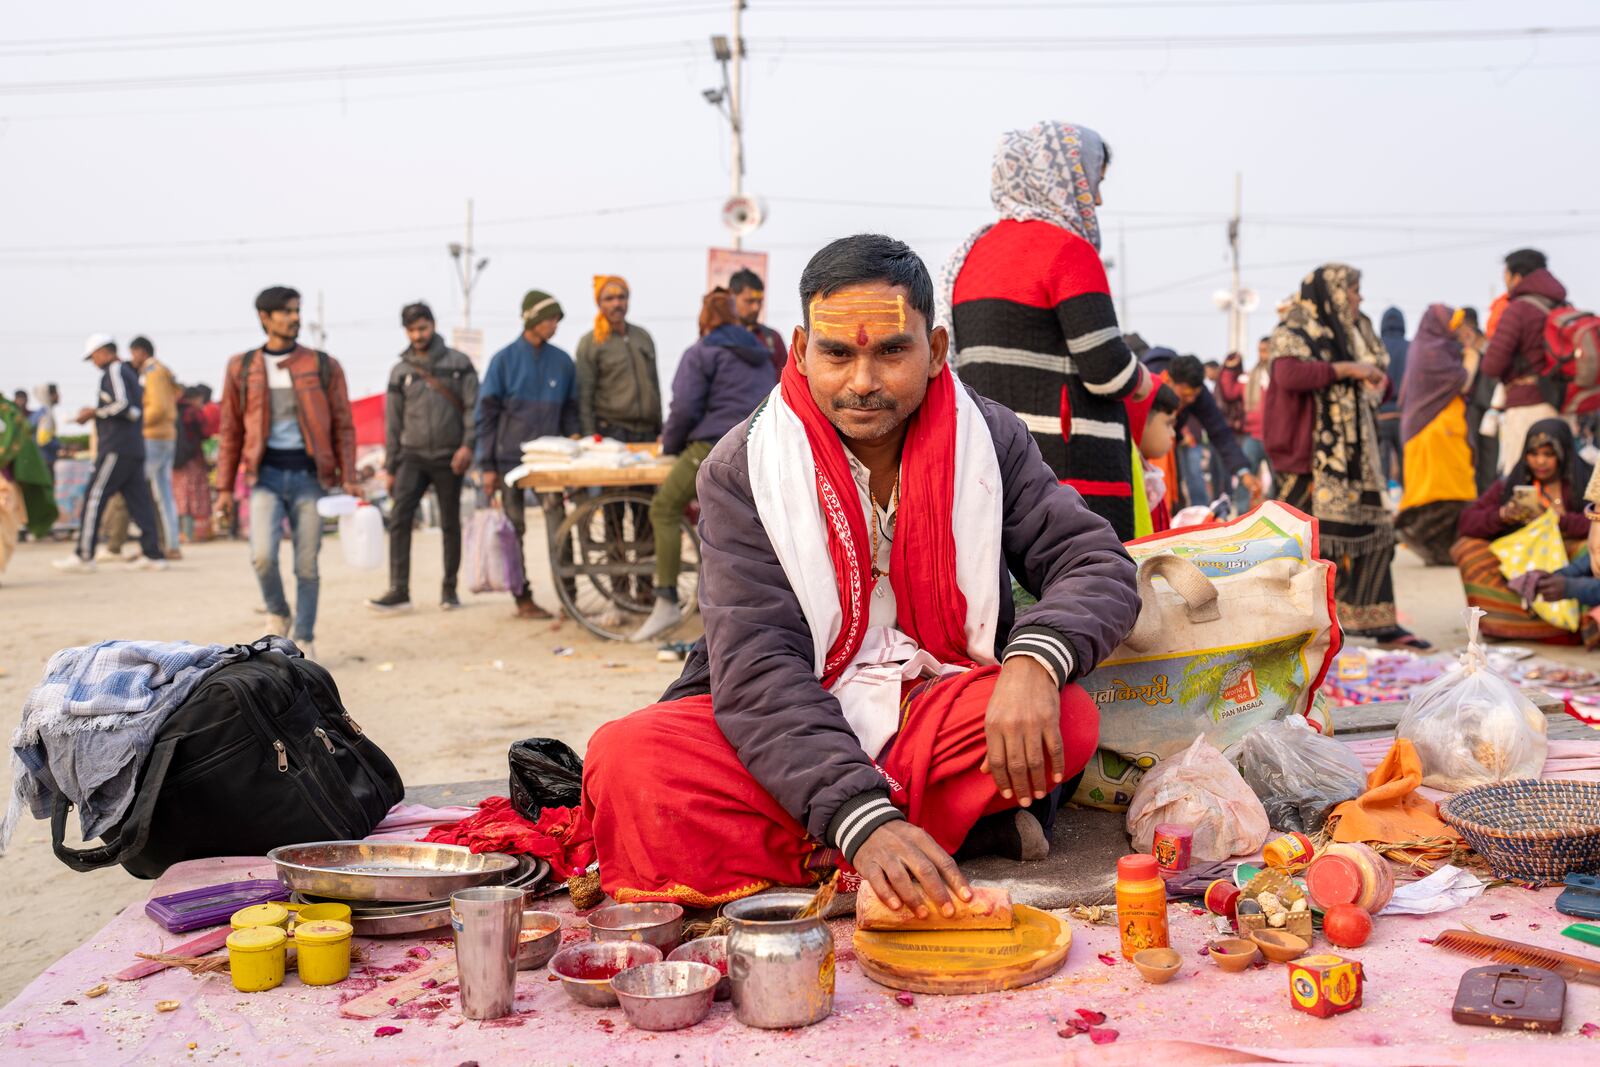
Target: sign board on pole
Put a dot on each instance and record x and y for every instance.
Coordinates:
(469, 342)
(723, 263)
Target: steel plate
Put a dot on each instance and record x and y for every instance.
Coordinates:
(399, 871)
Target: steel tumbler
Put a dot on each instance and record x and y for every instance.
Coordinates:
(486, 922)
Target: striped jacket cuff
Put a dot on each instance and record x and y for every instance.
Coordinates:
(858, 817)
(1047, 646)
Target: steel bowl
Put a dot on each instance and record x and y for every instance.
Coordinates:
(709, 950)
(666, 996)
(538, 940)
(394, 871)
(660, 925)
(586, 970)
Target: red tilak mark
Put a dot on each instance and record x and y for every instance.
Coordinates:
(861, 335)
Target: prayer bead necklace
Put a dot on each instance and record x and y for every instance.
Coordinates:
(894, 506)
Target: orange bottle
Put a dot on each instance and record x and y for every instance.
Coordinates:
(1141, 904)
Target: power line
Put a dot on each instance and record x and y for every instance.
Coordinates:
(257, 36)
(1084, 42)
(615, 59)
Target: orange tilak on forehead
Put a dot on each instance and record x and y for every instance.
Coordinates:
(857, 316)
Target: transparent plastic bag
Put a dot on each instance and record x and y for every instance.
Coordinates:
(1202, 790)
(1471, 726)
(1298, 774)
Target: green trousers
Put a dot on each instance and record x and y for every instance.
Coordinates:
(666, 512)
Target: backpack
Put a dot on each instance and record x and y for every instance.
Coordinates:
(1572, 354)
(261, 754)
(191, 438)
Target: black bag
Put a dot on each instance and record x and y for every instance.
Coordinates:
(261, 754)
(545, 773)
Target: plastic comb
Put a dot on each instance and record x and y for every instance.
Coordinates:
(1484, 947)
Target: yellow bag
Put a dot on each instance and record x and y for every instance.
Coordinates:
(1538, 547)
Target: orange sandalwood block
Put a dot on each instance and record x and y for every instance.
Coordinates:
(989, 909)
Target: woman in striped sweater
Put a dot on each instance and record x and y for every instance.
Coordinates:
(1031, 318)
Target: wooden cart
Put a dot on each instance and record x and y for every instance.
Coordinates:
(602, 543)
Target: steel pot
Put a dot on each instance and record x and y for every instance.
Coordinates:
(781, 967)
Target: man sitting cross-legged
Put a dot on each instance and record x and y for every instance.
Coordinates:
(863, 687)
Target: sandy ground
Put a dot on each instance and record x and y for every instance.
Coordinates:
(425, 686)
(443, 694)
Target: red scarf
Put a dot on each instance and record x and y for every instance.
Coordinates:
(933, 611)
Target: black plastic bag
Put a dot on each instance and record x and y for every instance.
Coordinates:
(545, 773)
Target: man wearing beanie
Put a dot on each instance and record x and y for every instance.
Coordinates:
(619, 392)
(530, 390)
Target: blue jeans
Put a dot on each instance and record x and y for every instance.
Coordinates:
(1192, 469)
(1256, 453)
(158, 457)
(292, 495)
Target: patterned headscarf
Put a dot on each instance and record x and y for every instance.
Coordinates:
(602, 328)
(1321, 324)
(1049, 172)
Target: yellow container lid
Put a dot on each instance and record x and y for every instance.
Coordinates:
(257, 939)
(259, 915)
(325, 910)
(322, 931)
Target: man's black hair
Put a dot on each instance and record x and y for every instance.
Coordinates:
(1266, 339)
(276, 298)
(21, 397)
(1187, 370)
(142, 344)
(1470, 315)
(1107, 149)
(1166, 400)
(743, 279)
(1210, 363)
(867, 257)
(1525, 261)
(415, 313)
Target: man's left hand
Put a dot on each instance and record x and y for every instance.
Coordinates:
(1252, 483)
(354, 489)
(461, 460)
(1023, 730)
(84, 415)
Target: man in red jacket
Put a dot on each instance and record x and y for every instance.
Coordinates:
(1516, 355)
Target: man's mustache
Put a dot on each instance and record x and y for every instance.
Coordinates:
(875, 402)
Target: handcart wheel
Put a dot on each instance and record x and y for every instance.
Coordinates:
(603, 560)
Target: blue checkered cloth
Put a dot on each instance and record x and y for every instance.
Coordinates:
(89, 725)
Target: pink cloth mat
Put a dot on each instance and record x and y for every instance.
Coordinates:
(411, 822)
(1202, 1017)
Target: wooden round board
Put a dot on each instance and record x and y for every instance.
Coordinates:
(966, 961)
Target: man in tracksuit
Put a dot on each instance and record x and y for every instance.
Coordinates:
(427, 441)
(530, 390)
(119, 459)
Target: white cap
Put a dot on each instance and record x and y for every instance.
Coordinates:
(95, 342)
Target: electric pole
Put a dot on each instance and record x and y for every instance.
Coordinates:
(1235, 311)
(469, 269)
(319, 325)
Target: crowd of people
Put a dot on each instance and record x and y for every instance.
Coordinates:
(1443, 442)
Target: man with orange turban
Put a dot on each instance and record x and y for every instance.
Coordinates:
(619, 393)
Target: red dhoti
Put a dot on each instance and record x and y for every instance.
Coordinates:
(677, 817)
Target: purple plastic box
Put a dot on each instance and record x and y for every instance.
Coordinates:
(211, 905)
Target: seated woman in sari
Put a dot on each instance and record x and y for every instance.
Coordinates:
(1433, 429)
(1550, 475)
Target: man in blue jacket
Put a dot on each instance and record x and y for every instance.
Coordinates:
(529, 391)
(119, 459)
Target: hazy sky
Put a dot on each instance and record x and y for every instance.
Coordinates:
(160, 163)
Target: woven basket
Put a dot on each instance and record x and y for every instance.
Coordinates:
(1529, 829)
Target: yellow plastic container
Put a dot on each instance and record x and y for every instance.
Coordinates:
(330, 910)
(322, 947)
(260, 915)
(256, 957)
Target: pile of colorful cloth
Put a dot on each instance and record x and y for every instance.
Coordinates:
(496, 827)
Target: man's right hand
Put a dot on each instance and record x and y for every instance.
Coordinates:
(225, 506)
(388, 482)
(908, 869)
(491, 482)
